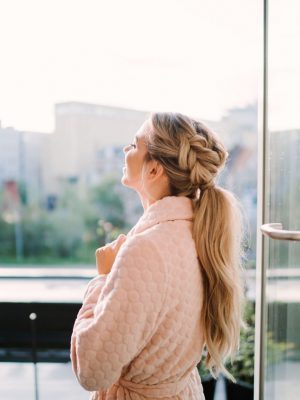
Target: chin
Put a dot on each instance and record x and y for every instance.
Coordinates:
(124, 181)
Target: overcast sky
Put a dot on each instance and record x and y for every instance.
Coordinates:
(195, 56)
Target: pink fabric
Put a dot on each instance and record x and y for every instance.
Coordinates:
(138, 334)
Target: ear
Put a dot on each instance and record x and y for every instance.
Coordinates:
(155, 170)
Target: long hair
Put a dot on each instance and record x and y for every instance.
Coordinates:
(192, 157)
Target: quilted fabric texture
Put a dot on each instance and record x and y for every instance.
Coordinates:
(138, 334)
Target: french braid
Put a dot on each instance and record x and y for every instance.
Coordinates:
(192, 157)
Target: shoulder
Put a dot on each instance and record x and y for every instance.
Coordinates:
(143, 245)
(139, 263)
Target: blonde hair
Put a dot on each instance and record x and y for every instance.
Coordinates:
(192, 157)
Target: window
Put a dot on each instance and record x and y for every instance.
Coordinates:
(77, 81)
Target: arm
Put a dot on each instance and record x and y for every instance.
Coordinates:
(124, 317)
(105, 257)
(90, 298)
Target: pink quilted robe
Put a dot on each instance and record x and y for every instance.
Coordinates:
(143, 337)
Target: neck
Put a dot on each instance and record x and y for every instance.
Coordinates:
(146, 201)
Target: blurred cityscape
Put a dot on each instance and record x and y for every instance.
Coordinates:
(60, 191)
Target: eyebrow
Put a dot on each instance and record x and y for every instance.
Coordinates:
(136, 138)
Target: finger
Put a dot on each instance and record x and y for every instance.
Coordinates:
(121, 237)
(120, 240)
(99, 250)
(100, 255)
(87, 314)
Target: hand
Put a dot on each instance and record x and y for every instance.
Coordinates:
(86, 312)
(106, 255)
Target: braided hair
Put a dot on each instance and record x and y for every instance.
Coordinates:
(192, 157)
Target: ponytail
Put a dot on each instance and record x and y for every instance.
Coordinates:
(192, 156)
(217, 231)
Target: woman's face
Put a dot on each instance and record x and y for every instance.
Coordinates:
(134, 159)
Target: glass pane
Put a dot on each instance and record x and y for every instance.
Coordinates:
(54, 381)
(283, 273)
(20, 373)
(67, 113)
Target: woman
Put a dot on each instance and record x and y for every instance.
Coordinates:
(172, 287)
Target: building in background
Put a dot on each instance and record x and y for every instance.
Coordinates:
(238, 131)
(21, 155)
(86, 143)
(11, 159)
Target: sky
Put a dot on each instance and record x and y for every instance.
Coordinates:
(199, 57)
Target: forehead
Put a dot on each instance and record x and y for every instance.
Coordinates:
(143, 131)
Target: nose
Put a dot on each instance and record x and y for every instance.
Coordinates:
(125, 148)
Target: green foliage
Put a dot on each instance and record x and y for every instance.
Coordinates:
(107, 200)
(242, 367)
(71, 232)
(22, 192)
(58, 234)
(7, 239)
(203, 371)
(276, 350)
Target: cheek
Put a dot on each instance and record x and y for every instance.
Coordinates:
(130, 164)
(134, 164)
(128, 159)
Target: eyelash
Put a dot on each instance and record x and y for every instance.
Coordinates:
(133, 145)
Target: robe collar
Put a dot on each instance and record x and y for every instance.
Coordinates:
(169, 208)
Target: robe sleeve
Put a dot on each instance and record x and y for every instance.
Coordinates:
(119, 315)
(90, 298)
